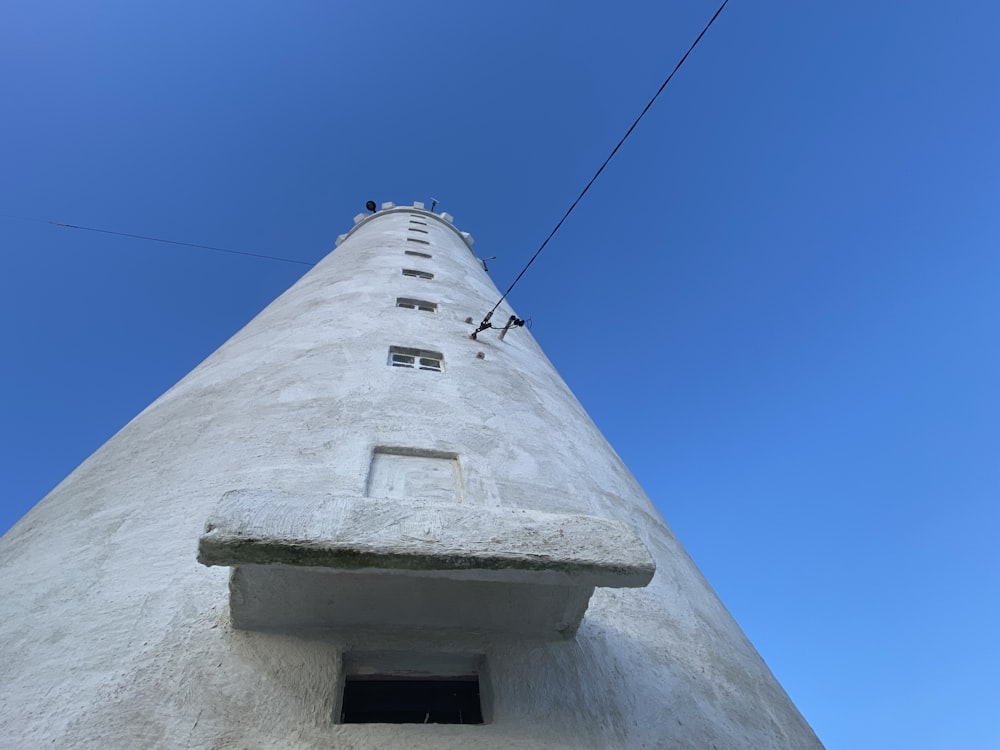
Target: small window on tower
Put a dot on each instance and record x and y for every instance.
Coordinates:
(417, 274)
(418, 359)
(418, 254)
(385, 699)
(414, 239)
(413, 688)
(417, 221)
(416, 304)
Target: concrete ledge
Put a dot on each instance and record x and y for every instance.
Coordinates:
(286, 599)
(424, 539)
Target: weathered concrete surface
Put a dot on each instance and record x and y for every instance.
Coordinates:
(114, 635)
(297, 600)
(416, 563)
(359, 533)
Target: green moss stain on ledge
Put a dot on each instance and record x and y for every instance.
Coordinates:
(251, 551)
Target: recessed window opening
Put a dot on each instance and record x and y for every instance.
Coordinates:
(417, 274)
(417, 221)
(402, 473)
(416, 304)
(403, 687)
(418, 253)
(389, 699)
(414, 229)
(414, 239)
(418, 359)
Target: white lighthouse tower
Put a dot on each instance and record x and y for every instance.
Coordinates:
(354, 526)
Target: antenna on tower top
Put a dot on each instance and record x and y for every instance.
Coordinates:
(434, 202)
(370, 205)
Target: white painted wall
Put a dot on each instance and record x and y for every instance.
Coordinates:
(114, 636)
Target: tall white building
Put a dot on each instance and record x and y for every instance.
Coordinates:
(354, 526)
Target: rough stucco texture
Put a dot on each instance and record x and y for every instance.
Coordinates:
(114, 635)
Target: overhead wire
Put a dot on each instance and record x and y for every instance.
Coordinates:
(486, 320)
(165, 241)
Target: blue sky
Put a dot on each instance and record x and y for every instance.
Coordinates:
(779, 302)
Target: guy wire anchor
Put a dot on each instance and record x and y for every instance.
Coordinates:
(482, 326)
(513, 320)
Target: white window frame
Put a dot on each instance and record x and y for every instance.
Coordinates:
(414, 273)
(415, 359)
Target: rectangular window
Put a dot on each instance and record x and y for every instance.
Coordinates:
(417, 274)
(397, 687)
(414, 239)
(418, 254)
(416, 304)
(421, 223)
(385, 699)
(419, 359)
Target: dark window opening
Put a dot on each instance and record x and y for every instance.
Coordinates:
(395, 700)
(414, 239)
(416, 304)
(418, 254)
(417, 274)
